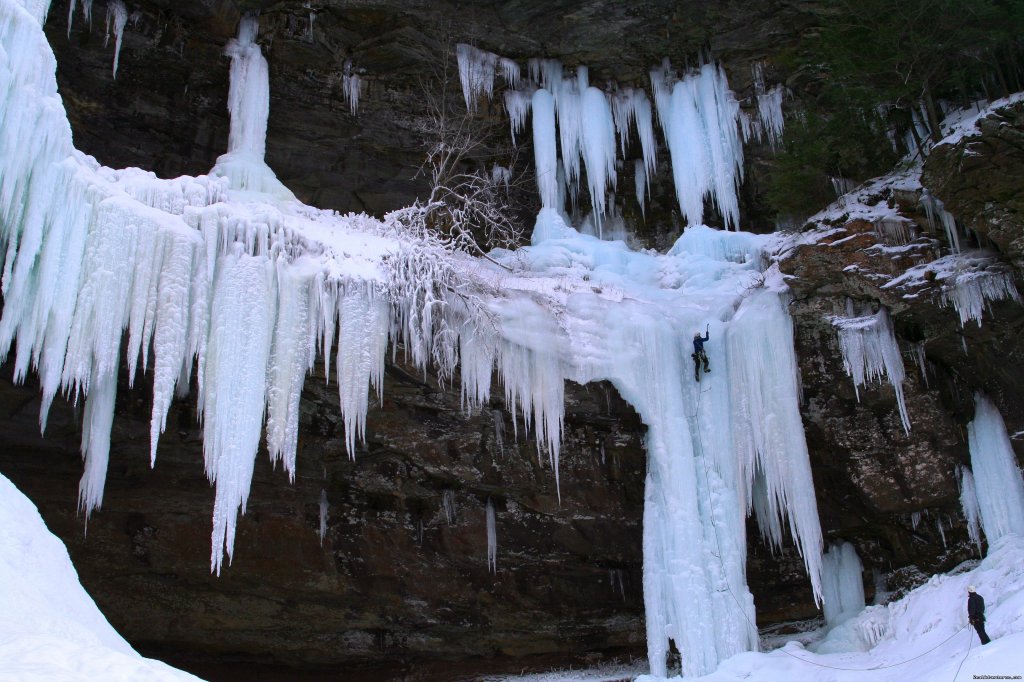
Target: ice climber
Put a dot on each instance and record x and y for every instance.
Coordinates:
(699, 354)
(976, 613)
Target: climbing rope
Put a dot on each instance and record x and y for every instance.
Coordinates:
(718, 543)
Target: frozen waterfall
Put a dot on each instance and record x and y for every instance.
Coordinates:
(999, 490)
(228, 284)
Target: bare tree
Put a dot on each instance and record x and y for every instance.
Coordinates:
(475, 205)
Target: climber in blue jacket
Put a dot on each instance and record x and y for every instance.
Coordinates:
(699, 354)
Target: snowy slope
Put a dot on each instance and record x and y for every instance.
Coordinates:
(50, 629)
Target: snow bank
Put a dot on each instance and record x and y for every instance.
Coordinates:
(50, 629)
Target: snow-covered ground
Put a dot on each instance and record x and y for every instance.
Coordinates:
(50, 629)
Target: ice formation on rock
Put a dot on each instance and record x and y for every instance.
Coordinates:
(699, 115)
(997, 480)
(351, 87)
(969, 292)
(117, 17)
(770, 122)
(249, 106)
(969, 505)
(230, 280)
(324, 507)
(842, 583)
(870, 351)
(476, 72)
(492, 538)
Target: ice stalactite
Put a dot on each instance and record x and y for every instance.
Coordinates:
(364, 319)
(292, 354)
(870, 351)
(545, 153)
(510, 70)
(969, 292)
(351, 86)
(770, 121)
(492, 538)
(597, 145)
(842, 584)
(476, 72)
(936, 212)
(117, 17)
(517, 104)
(249, 106)
(998, 485)
(324, 508)
(448, 506)
(969, 505)
(700, 118)
(640, 184)
(769, 112)
(233, 402)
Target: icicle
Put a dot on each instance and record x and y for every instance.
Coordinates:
(645, 130)
(870, 350)
(767, 427)
(544, 152)
(492, 539)
(936, 211)
(640, 183)
(570, 131)
(498, 422)
(842, 584)
(96, 424)
(71, 14)
(241, 334)
(918, 352)
(291, 356)
(117, 17)
(448, 506)
(895, 231)
(970, 507)
(969, 292)
(510, 71)
(181, 265)
(597, 143)
(769, 113)
(363, 322)
(324, 507)
(517, 104)
(998, 484)
(351, 87)
(476, 71)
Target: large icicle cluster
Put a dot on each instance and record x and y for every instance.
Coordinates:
(699, 116)
(870, 351)
(244, 293)
(970, 292)
(228, 286)
(999, 490)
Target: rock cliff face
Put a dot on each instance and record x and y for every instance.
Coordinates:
(398, 588)
(400, 583)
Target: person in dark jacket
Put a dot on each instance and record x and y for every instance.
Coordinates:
(976, 613)
(699, 354)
